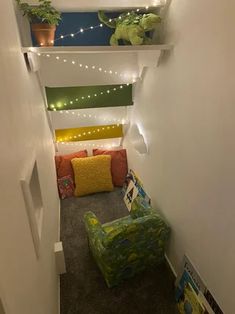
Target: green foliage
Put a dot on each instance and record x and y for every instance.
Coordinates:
(43, 13)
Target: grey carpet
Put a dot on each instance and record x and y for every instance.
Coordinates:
(83, 290)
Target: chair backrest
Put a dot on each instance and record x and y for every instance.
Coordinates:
(144, 231)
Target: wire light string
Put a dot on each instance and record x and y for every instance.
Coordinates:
(80, 98)
(78, 137)
(92, 27)
(88, 144)
(87, 67)
(90, 116)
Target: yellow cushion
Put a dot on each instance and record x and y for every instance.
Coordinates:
(92, 174)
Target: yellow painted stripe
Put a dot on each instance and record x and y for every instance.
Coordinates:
(89, 133)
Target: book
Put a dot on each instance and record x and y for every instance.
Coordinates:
(184, 280)
(189, 303)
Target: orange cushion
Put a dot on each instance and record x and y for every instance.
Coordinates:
(119, 166)
(64, 166)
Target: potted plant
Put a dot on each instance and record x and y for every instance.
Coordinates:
(43, 19)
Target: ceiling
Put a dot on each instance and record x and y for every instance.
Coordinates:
(84, 5)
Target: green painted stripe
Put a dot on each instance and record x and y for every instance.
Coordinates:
(65, 98)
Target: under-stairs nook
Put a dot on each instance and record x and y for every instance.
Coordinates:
(117, 157)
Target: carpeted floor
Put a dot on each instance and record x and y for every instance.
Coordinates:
(83, 290)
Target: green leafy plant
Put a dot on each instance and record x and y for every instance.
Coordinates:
(43, 13)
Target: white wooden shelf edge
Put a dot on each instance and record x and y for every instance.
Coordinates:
(97, 49)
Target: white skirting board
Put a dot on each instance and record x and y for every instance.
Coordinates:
(171, 266)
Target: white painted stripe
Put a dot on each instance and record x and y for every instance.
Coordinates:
(71, 147)
(88, 117)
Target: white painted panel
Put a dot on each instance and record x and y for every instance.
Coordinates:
(70, 147)
(57, 73)
(185, 109)
(83, 5)
(27, 284)
(88, 117)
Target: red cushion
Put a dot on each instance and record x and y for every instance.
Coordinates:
(63, 163)
(118, 164)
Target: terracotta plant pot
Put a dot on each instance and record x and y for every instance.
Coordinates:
(44, 34)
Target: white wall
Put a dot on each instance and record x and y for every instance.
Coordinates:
(185, 109)
(27, 285)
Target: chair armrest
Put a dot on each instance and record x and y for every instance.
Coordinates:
(92, 224)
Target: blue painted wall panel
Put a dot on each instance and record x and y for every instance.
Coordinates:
(72, 22)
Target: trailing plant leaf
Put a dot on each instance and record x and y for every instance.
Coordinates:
(43, 13)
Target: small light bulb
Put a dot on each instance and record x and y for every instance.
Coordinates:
(91, 27)
(72, 35)
(65, 60)
(110, 72)
(73, 62)
(105, 71)
(89, 115)
(100, 69)
(137, 10)
(116, 73)
(89, 96)
(108, 91)
(61, 111)
(52, 41)
(95, 95)
(120, 17)
(66, 111)
(39, 54)
(84, 115)
(110, 20)
(81, 30)
(121, 86)
(65, 104)
(101, 93)
(73, 112)
(54, 109)
(93, 67)
(83, 97)
(89, 132)
(101, 25)
(57, 58)
(48, 56)
(61, 36)
(71, 102)
(146, 7)
(114, 89)
(86, 66)
(76, 99)
(128, 13)
(80, 65)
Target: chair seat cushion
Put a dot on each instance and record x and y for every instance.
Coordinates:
(92, 175)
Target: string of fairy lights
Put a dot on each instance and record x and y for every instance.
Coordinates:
(100, 25)
(83, 144)
(93, 117)
(76, 100)
(79, 136)
(89, 67)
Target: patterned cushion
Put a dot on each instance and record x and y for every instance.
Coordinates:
(65, 187)
(63, 163)
(92, 174)
(118, 164)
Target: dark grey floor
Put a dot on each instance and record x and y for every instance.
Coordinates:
(83, 290)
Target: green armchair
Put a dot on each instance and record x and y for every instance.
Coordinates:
(127, 245)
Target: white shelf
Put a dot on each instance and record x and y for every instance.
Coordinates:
(129, 60)
(97, 49)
